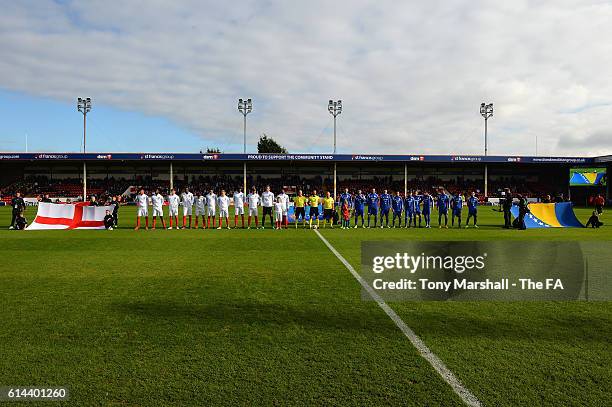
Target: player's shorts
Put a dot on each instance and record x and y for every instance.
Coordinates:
(211, 211)
(267, 210)
(200, 211)
(187, 210)
(327, 213)
(372, 210)
(443, 211)
(397, 214)
(143, 211)
(278, 216)
(300, 211)
(427, 212)
(456, 212)
(314, 211)
(472, 211)
(239, 210)
(358, 211)
(384, 210)
(224, 213)
(173, 210)
(253, 212)
(158, 212)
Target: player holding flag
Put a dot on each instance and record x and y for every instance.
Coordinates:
(187, 206)
(173, 207)
(223, 202)
(238, 207)
(211, 205)
(372, 202)
(157, 201)
(472, 204)
(397, 204)
(142, 203)
(253, 200)
(358, 207)
(385, 206)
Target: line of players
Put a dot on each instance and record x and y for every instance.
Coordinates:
(414, 208)
(206, 208)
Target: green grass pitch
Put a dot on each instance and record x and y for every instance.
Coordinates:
(265, 317)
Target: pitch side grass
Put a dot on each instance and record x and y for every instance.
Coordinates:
(265, 317)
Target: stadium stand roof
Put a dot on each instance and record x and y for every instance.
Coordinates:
(300, 157)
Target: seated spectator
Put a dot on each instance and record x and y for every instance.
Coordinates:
(109, 221)
(20, 221)
(594, 221)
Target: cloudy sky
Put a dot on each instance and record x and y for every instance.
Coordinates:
(166, 75)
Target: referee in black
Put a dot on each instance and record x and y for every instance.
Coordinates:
(507, 206)
(18, 205)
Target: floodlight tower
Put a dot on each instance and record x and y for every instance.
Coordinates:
(486, 111)
(84, 106)
(245, 106)
(335, 108)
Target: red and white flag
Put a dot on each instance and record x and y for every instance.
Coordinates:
(69, 216)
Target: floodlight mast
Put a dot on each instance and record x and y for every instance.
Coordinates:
(335, 108)
(245, 106)
(84, 106)
(486, 111)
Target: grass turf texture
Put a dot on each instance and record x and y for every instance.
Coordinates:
(272, 317)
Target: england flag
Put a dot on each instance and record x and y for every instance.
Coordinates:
(69, 216)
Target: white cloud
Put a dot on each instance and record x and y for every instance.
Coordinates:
(411, 74)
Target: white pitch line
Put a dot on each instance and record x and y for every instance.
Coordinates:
(439, 366)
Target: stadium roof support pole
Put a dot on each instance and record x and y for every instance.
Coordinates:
(171, 176)
(335, 177)
(405, 179)
(244, 184)
(84, 106)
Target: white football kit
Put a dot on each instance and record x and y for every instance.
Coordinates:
(224, 202)
(267, 199)
(278, 211)
(173, 204)
(142, 202)
(200, 205)
(211, 204)
(285, 201)
(253, 201)
(187, 203)
(158, 204)
(238, 203)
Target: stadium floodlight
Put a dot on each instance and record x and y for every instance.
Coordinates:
(84, 106)
(486, 111)
(335, 108)
(245, 106)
